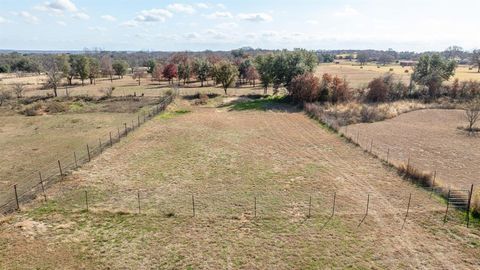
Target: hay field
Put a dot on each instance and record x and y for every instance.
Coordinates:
(226, 157)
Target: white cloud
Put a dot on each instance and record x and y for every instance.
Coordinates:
(3, 20)
(347, 11)
(202, 5)
(312, 22)
(219, 14)
(27, 16)
(81, 16)
(109, 18)
(181, 8)
(227, 26)
(62, 23)
(129, 24)
(255, 17)
(221, 6)
(153, 15)
(58, 6)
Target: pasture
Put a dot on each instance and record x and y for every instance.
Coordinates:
(261, 182)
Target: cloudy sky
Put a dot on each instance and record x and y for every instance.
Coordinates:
(222, 25)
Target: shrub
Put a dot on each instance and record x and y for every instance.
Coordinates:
(378, 90)
(31, 110)
(305, 88)
(340, 91)
(56, 107)
(421, 178)
(108, 91)
(4, 96)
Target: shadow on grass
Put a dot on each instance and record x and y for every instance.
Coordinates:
(261, 103)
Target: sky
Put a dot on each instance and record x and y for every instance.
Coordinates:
(413, 25)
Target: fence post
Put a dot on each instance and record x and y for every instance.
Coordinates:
(43, 188)
(16, 197)
(408, 209)
(193, 205)
(358, 135)
(138, 198)
(388, 154)
(118, 130)
(255, 206)
(133, 125)
(309, 207)
(86, 199)
(448, 204)
(111, 141)
(468, 205)
(60, 168)
(138, 120)
(368, 203)
(126, 130)
(334, 202)
(100, 144)
(75, 157)
(88, 152)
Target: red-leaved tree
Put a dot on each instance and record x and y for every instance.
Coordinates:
(169, 72)
(305, 88)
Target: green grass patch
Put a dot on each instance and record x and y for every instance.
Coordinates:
(259, 104)
(173, 114)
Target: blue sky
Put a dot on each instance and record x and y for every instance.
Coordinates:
(222, 25)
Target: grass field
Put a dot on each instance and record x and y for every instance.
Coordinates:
(360, 77)
(230, 157)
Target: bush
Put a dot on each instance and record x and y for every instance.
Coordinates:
(378, 90)
(108, 91)
(305, 88)
(56, 107)
(340, 91)
(31, 110)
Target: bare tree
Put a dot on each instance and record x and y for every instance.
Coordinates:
(472, 114)
(18, 89)
(55, 68)
(138, 74)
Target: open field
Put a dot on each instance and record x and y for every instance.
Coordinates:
(360, 77)
(432, 140)
(228, 159)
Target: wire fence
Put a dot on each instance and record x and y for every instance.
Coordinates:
(463, 198)
(55, 172)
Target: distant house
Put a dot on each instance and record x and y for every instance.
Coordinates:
(405, 63)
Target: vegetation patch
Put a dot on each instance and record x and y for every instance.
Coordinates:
(262, 104)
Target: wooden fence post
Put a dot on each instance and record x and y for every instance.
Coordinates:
(468, 205)
(43, 188)
(448, 204)
(309, 207)
(255, 206)
(75, 157)
(16, 197)
(193, 205)
(138, 120)
(60, 168)
(100, 144)
(86, 199)
(334, 202)
(126, 131)
(88, 152)
(368, 203)
(408, 209)
(138, 198)
(111, 141)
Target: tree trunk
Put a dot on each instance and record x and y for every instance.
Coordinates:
(55, 90)
(201, 83)
(82, 82)
(225, 89)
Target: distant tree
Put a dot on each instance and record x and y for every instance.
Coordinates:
(225, 74)
(4, 68)
(151, 66)
(243, 68)
(120, 68)
(138, 74)
(453, 52)
(169, 72)
(201, 68)
(264, 66)
(326, 58)
(83, 68)
(157, 73)
(431, 71)
(476, 59)
(385, 58)
(18, 89)
(362, 58)
(184, 71)
(472, 115)
(55, 67)
(106, 66)
(94, 69)
(252, 75)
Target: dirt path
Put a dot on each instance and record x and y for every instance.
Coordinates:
(228, 160)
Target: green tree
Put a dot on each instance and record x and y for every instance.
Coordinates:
(431, 71)
(150, 66)
(264, 66)
(94, 69)
(225, 74)
(83, 68)
(362, 58)
(201, 68)
(120, 68)
(184, 71)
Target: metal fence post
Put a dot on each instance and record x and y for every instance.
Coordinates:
(16, 197)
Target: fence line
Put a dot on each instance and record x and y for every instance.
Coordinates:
(51, 174)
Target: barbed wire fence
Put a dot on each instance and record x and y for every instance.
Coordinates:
(56, 171)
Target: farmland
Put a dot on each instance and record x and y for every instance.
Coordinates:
(251, 173)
